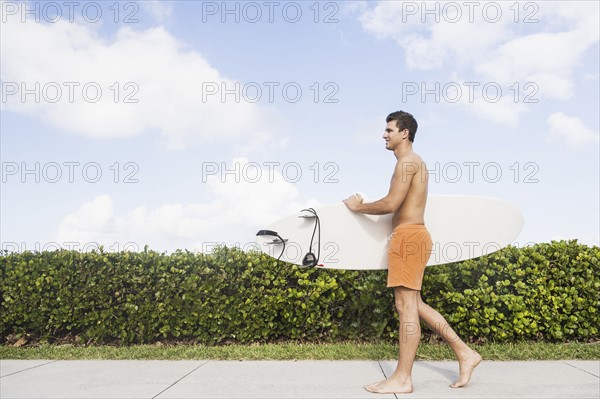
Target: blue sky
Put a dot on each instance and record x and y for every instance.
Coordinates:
(179, 147)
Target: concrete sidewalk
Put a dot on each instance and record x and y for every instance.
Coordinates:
(288, 379)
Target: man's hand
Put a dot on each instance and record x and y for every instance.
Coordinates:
(353, 202)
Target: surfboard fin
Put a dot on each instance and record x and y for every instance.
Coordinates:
(267, 233)
(277, 240)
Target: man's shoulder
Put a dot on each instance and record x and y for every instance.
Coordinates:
(411, 159)
(409, 165)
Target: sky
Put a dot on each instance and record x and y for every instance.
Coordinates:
(191, 124)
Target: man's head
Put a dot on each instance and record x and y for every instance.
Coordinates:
(403, 121)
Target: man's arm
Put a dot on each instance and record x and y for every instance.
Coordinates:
(401, 180)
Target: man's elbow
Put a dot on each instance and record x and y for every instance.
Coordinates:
(390, 206)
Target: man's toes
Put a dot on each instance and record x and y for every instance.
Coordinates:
(373, 387)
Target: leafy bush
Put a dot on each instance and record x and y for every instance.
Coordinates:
(544, 292)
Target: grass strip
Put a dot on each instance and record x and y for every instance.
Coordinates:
(301, 351)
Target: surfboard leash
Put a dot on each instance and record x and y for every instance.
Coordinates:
(274, 234)
(310, 260)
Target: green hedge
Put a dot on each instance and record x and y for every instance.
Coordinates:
(544, 292)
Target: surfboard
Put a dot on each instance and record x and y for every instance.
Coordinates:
(461, 227)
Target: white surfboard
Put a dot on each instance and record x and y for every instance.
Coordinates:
(461, 227)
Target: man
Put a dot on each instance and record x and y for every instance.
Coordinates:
(409, 250)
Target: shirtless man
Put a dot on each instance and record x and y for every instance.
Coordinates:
(408, 253)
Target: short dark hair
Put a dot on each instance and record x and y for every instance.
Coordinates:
(404, 120)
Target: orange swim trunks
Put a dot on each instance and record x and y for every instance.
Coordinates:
(409, 250)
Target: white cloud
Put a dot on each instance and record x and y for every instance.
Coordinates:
(594, 77)
(94, 216)
(489, 101)
(571, 130)
(167, 80)
(161, 10)
(428, 44)
(546, 52)
(464, 38)
(505, 111)
(239, 209)
(348, 8)
(546, 59)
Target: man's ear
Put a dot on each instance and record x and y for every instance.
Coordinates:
(405, 134)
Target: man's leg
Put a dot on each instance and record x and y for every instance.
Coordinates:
(410, 333)
(468, 359)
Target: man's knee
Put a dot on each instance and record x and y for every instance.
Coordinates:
(406, 300)
(420, 302)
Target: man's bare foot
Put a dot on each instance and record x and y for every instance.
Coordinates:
(466, 367)
(391, 385)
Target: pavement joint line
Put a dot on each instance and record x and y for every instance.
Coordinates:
(382, 371)
(28, 368)
(585, 371)
(173, 384)
(385, 376)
